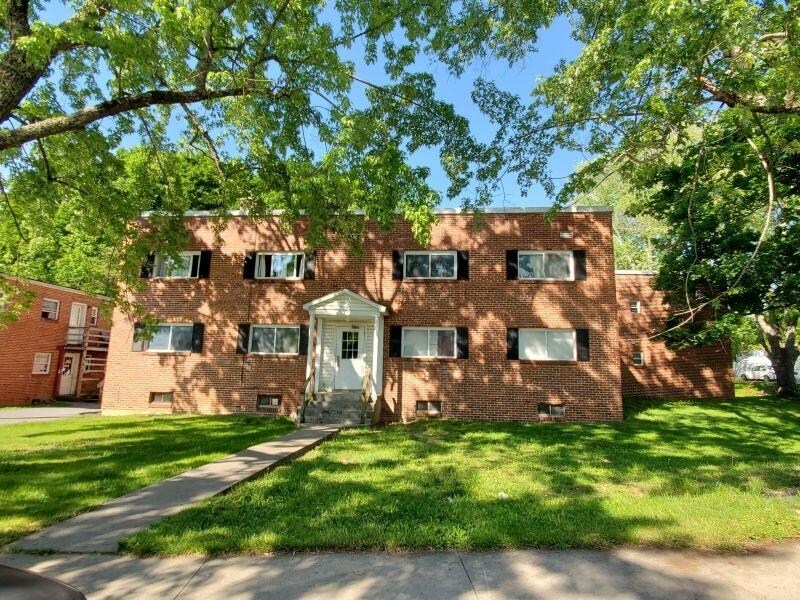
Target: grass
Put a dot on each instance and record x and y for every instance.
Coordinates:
(54, 470)
(711, 475)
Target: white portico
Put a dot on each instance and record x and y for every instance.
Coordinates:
(345, 336)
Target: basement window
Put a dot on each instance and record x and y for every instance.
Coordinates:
(50, 309)
(636, 306)
(430, 408)
(638, 359)
(550, 410)
(268, 401)
(160, 397)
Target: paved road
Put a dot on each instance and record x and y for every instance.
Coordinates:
(48, 413)
(624, 574)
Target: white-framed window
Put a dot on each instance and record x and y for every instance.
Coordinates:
(427, 342)
(41, 363)
(161, 397)
(430, 264)
(187, 266)
(547, 344)
(430, 407)
(638, 358)
(171, 338)
(636, 306)
(50, 309)
(267, 401)
(93, 316)
(274, 339)
(280, 265)
(552, 265)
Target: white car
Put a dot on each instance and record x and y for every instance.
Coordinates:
(758, 373)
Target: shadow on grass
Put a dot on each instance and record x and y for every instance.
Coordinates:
(676, 474)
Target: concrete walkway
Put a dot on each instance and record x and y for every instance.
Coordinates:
(101, 530)
(623, 574)
(48, 413)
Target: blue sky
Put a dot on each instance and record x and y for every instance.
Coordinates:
(554, 45)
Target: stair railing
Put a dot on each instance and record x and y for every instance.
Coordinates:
(366, 385)
(307, 395)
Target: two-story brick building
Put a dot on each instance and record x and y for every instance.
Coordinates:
(57, 347)
(504, 317)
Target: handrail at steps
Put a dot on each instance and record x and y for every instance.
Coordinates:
(365, 394)
(307, 394)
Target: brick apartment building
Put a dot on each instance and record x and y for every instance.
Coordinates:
(57, 347)
(649, 366)
(505, 317)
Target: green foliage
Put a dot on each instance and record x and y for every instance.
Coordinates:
(245, 104)
(636, 234)
(702, 474)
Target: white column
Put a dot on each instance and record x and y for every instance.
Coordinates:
(310, 351)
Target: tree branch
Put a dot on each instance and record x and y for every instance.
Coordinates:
(78, 120)
(757, 103)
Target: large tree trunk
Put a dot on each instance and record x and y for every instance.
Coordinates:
(777, 334)
(18, 76)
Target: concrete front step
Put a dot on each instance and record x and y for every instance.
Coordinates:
(338, 407)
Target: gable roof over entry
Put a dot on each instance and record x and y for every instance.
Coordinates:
(344, 303)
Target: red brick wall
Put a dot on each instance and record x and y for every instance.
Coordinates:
(484, 386)
(703, 372)
(21, 340)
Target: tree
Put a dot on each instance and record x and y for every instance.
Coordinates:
(722, 259)
(265, 90)
(635, 233)
(653, 78)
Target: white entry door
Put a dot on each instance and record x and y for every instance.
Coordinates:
(77, 320)
(350, 358)
(69, 374)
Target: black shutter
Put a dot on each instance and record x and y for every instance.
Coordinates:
(395, 340)
(512, 343)
(138, 343)
(579, 258)
(582, 338)
(147, 266)
(243, 339)
(311, 264)
(462, 342)
(303, 339)
(463, 265)
(511, 264)
(197, 337)
(249, 265)
(205, 264)
(397, 265)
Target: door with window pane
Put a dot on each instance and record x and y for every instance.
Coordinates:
(350, 359)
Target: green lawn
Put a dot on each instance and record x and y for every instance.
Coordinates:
(717, 475)
(54, 470)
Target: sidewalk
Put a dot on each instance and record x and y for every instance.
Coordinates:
(623, 574)
(101, 530)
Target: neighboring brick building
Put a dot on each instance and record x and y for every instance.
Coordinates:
(649, 367)
(506, 317)
(57, 347)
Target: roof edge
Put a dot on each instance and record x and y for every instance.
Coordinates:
(438, 211)
(53, 286)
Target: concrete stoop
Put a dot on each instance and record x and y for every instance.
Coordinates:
(339, 407)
